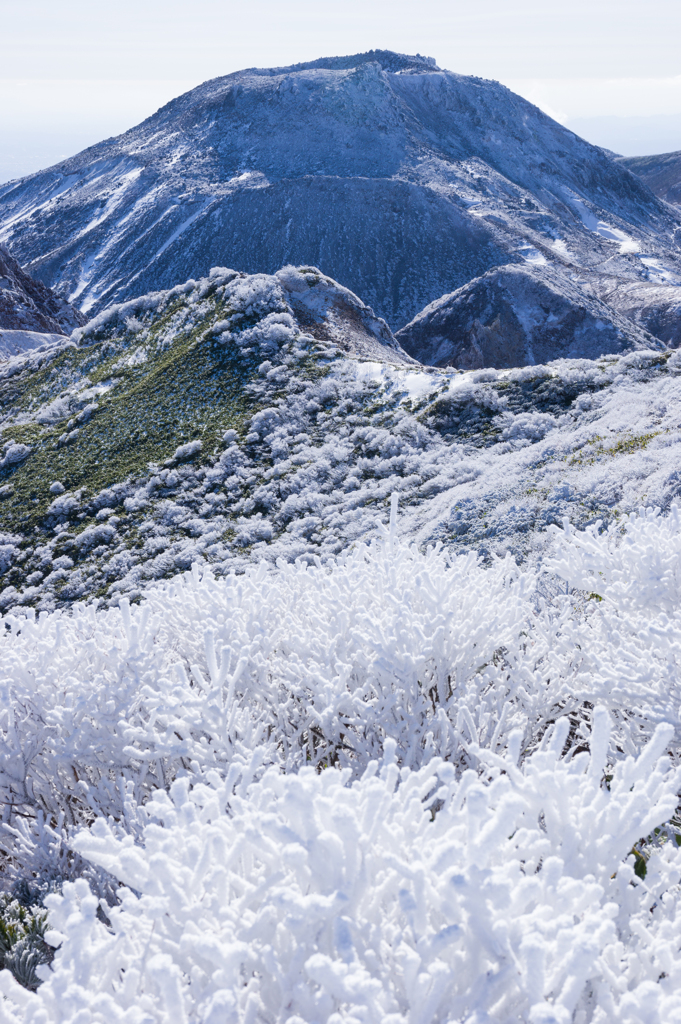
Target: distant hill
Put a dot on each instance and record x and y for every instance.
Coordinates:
(518, 316)
(661, 173)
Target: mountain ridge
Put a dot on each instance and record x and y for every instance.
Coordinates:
(662, 173)
(213, 424)
(518, 316)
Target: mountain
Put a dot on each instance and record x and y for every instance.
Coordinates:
(246, 417)
(27, 306)
(652, 305)
(661, 173)
(400, 180)
(518, 316)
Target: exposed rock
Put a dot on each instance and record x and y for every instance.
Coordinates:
(654, 306)
(28, 306)
(334, 314)
(518, 316)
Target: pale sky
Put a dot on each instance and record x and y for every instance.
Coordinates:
(77, 71)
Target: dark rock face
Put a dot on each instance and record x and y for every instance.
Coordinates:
(28, 305)
(399, 180)
(661, 173)
(518, 316)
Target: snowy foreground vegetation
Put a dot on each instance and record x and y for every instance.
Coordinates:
(397, 787)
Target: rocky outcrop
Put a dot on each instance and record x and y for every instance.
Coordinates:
(652, 305)
(334, 314)
(518, 316)
(27, 305)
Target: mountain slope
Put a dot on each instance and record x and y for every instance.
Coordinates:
(661, 173)
(400, 180)
(518, 316)
(27, 305)
(246, 417)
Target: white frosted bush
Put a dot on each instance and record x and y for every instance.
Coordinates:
(635, 565)
(406, 896)
(310, 666)
(210, 758)
(624, 650)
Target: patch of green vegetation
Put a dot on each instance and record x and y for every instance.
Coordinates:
(595, 449)
(23, 923)
(193, 389)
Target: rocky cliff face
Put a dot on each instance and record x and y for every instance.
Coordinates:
(28, 305)
(518, 316)
(400, 180)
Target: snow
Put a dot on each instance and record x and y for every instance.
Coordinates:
(182, 227)
(401, 786)
(125, 182)
(626, 243)
(532, 255)
(659, 273)
(560, 246)
(14, 343)
(415, 385)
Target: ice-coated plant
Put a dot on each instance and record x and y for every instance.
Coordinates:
(406, 895)
(401, 786)
(635, 564)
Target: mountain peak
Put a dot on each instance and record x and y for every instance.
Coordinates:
(389, 60)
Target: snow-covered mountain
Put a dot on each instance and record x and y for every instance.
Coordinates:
(239, 418)
(400, 180)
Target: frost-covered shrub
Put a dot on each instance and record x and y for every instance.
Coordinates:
(622, 651)
(528, 426)
(13, 453)
(310, 665)
(635, 565)
(8, 550)
(407, 895)
(215, 751)
(273, 330)
(186, 451)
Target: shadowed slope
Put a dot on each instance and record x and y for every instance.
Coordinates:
(518, 316)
